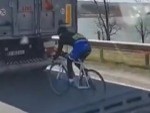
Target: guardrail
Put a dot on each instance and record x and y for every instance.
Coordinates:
(122, 46)
(126, 46)
(130, 46)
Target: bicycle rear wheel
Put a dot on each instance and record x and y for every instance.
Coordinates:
(58, 79)
(96, 81)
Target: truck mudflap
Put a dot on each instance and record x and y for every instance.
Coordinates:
(30, 64)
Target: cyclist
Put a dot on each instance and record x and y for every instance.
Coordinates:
(81, 48)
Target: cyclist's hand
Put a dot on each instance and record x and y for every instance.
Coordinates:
(54, 57)
(64, 54)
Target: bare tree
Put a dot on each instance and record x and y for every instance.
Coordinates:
(144, 32)
(106, 26)
(142, 29)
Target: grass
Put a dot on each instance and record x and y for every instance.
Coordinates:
(119, 57)
(117, 60)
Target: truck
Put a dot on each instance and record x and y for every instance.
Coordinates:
(25, 27)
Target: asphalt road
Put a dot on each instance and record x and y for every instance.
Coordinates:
(30, 92)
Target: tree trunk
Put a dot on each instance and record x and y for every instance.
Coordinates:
(107, 20)
(99, 35)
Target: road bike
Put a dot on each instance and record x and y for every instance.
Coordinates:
(84, 79)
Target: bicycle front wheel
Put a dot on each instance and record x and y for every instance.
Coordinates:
(58, 79)
(96, 81)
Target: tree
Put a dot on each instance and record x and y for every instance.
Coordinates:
(106, 26)
(142, 28)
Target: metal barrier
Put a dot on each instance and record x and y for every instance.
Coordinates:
(124, 46)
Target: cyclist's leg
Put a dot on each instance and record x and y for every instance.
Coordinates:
(84, 53)
(70, 69)
(74, 55)
(70, 59)
(81, 50)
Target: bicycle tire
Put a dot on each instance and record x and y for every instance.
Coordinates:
(96, 80)
(58, 85)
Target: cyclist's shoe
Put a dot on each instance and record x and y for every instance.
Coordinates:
(71, 80)
(73, 83)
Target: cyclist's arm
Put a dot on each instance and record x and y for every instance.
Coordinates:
(59, 50)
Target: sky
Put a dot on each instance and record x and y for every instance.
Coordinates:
(132, 1)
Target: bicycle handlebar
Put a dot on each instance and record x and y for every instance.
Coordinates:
(64, 54)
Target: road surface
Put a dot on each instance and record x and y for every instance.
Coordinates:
(30, 92)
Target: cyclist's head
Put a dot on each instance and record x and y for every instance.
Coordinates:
(61, 30)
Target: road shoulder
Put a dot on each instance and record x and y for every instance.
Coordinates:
(121, 74)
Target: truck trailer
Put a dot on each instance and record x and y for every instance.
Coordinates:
(25, 25)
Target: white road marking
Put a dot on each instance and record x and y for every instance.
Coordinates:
(128, 85)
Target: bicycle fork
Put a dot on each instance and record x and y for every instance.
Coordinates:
(59, 74)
